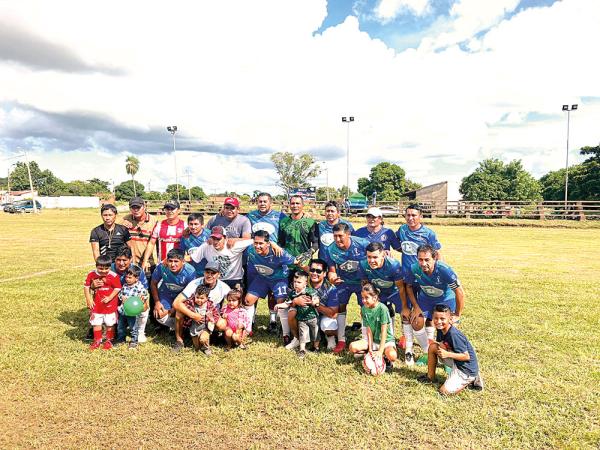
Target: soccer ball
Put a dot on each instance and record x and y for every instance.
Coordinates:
(373, 365)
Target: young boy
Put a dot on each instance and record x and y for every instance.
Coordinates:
(377, 335)
(103, 305)
(307, 316)
(455, 351)
(132, 287)
(204, 319)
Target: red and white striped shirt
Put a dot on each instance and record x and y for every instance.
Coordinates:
(167, 237)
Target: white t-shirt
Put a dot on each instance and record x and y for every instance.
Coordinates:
(216, 294)
(228, 259)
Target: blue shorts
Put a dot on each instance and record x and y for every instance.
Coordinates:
(344, 291)
(260, 287)
(427, 306)
(393, 298)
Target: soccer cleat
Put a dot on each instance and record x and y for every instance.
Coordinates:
(294, 344)
(302, 354)
(402, 342)
(95, 345)
(107, 345)
(340, 347)
(422, 361)
(206, 350)
(409, 359)
(133, 345)
(286, 340)
(272, 329)
(177, 347)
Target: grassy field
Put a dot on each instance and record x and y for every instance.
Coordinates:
(532, 313)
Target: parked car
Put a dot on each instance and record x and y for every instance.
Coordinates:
(5, 206)
(389, 211)
(23, 206)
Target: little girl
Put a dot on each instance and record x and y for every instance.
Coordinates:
(235, 320)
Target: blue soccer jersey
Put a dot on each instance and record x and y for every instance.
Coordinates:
(328, 295)
(385, 277)
(326, 234)
(346, 261)
(268, 222)
(271, 267)
(171, 284)
(411, 240)
(190, 243)
(386, 236)
(435, 288)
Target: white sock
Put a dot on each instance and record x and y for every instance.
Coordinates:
(430, 331)
(283, 318)
(330, 342)
(407, 330)
(250, 310)
(272, 316)
(341, 331)
(421, 336)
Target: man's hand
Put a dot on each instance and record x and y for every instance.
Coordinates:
(158, 310)
(303, 300)
(405, 314)
(415, 314)
(277, 250)
(337, 281)
(442, 353)
(97, 283)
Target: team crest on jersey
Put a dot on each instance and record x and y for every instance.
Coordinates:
(327, 239)
(349, 266)
(263, 270)
(383, 238)
(173, 287)
(432, 291)
(409, 248)
(384, 284)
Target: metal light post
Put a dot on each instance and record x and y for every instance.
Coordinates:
(566, 108)
(173, 130)
(347, 120)
(188, 172)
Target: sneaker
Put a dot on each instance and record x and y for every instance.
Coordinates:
(133, 345)
(206, 350)
(95, 345)
(177, 347)
(422, 361)
(286, 341)
(272, 328)
(477, 384)
(294, 344)
(409, 359)
(402, 343)
(340, 347)
(302, 354)
(107, 345)
(424, 379)
(142, 338)
(388, 365)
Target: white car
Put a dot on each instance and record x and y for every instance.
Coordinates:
(389, 211)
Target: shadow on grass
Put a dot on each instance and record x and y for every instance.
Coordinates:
(78, 321)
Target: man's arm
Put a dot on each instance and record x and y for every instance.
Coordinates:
(333, 278)
(113, 294)
(328, 311)
(148, 252)
(313, 237)
(181, 308)
(95, 250)
(158, 307)
(460, 300)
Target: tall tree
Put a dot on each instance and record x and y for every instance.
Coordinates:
(124, 191)
(294, 171)
(494, 180)
(388, 180)
(44, 181)
(132, 165)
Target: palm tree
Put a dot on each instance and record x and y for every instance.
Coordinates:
(132, 165)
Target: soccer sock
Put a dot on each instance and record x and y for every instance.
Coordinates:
(283, 318)
(341, 331)
(272, 316)
(421, 336)
(97, 335)
(140, 324)
(331, 341)
(430, 331)
(110, 333)
(250, 310)
(407, 330)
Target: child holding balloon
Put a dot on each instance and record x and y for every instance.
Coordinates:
(129, 311)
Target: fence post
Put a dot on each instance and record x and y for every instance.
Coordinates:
(580, 214)
(541, 212)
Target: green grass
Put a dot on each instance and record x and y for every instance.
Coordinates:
(532, 313)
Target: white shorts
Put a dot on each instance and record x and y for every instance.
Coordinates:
(97, 319)
(457, 380)
(167, 321)
(328, 324)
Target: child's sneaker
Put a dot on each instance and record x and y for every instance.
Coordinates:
(95, 345)
(206, 350)
(142, 338)
(422, 361)
(133, 345)
(177, 347)
(409, 359)
(295, 343)
(107, 345)
(302, 354)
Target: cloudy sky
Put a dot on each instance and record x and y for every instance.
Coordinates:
(435, 86)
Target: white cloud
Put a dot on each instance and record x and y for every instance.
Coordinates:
(388, 10)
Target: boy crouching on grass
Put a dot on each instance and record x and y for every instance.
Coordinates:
(103, 305)
(455, 351)
(377, 334)
(137, 324)
(205, 316)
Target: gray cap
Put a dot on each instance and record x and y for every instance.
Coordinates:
(136, 201)
(212, 265)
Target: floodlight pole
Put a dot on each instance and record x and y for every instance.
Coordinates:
(347, 120)
(173, 129)
(568, 110)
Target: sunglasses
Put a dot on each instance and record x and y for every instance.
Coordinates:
(314, 270)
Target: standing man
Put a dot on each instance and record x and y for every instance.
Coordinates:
(167, 233)
(332, 217)
(197, 236)
(108, 238)
(140, 225)
(376, 232)
(236, 226)
(343, 257)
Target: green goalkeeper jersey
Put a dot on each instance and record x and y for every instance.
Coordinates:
(297, 236)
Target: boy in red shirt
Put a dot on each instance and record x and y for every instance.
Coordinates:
(103, 306)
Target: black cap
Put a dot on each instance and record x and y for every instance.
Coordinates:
(136, 201)
(171, 204)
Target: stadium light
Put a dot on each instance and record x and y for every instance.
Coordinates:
(173, 129)
(566, 108)
(347, 120)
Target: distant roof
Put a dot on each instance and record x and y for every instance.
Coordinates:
(414, 191)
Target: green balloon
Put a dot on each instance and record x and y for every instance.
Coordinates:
(133, 306)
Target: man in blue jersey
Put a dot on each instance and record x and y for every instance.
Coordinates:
(267, 219)
(376, 232)
(343, 257)
(269, 274)
(332, 217)
(197, 236)
(438, 284)
(169, 279)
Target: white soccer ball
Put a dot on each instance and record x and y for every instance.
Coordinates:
(373, 365)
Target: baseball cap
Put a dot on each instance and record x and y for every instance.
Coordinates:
(136, 201)
(217, 232)
(171, 204)
(232, 201)
(375, 212)
(212, 265)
